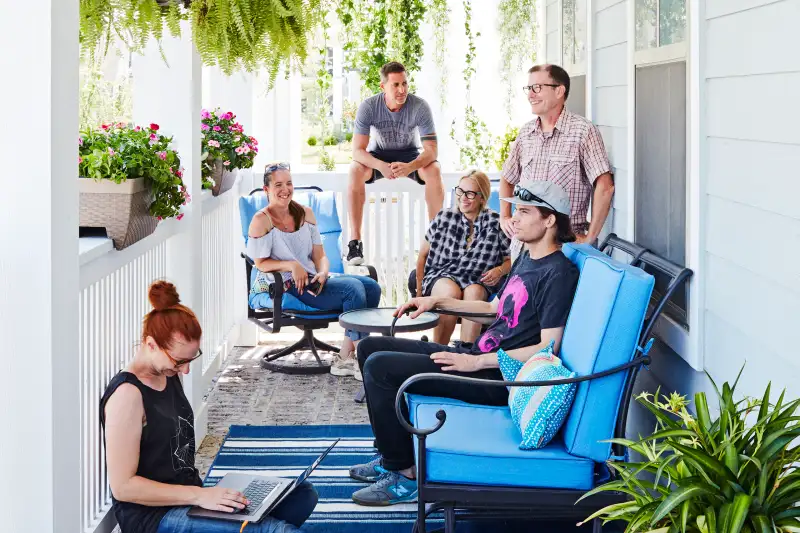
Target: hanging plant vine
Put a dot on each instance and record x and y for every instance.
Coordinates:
(440, 18)
(477, 144)
(324, 84)
(231, 34)
(516, 25)
(378, 31)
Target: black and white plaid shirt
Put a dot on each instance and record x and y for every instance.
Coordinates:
(452, 257)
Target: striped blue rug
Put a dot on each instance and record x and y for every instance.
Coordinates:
(285, 451)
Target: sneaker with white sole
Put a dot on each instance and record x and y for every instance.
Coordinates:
(389, 489)
(343, 367)
(355, 252)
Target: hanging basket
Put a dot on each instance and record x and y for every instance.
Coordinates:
(223, 178)
(123, 209)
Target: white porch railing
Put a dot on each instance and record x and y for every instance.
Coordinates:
(112, 303)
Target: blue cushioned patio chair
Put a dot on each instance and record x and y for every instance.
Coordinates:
(468, 459)
(281, 310)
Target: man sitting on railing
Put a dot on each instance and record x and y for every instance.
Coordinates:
(394, 137)
(531, 312)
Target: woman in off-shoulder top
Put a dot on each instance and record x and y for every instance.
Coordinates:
(284, 237)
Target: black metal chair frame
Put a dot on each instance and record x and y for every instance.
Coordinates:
(274, 319)
(480, 502)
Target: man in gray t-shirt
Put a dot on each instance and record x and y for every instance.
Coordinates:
(393, 137)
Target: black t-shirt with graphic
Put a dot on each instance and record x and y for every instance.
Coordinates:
(537, 295)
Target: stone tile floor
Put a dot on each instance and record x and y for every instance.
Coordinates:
(246, 394)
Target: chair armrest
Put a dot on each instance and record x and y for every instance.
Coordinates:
(463, 314)
(372, 272)
(277, 287)
(442, 416)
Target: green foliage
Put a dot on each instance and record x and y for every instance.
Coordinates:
(232, 34)
(440, 17)
(330, 140)
(476, 147)
(326, 161)
(516, 26)
(348, 136)
(378, 31)
(503, 146)
(312, 141)
(734, 473)
(223, 138)
(120, 151)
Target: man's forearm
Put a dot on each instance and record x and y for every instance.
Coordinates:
(466, 306)
(424, 159)
(489, 360)
(601, 205)
(506, 190)
(366, 158)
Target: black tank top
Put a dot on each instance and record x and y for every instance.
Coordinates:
(166, 451)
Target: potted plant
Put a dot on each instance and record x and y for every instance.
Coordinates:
(737, 472)
(130, 179)
(225, 147)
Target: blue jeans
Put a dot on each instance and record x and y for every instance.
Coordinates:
(287, 517)
(345, 293)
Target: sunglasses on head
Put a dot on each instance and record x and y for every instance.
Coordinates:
(527, 196)
(269, 169)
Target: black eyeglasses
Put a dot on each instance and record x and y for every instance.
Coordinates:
(469, 194)
(181, 362)
(527, 196)
(537, 87)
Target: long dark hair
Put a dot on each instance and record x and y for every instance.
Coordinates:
(564, 231)
(295, 209)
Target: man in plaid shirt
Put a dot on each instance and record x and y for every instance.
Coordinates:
(561, 147)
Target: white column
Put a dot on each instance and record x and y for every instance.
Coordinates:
(171, 96)
(230, 93)
(39, 363)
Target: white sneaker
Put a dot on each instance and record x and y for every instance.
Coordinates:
(344, 367)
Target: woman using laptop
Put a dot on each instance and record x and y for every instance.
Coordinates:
(284, 237)
(149, 435)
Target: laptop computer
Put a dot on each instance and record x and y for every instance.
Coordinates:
(264, 493)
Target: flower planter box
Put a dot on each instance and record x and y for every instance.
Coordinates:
(123, 209)
(223, 178)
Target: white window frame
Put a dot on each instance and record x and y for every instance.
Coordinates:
(688, 344)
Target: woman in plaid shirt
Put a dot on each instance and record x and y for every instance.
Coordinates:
(465, 254)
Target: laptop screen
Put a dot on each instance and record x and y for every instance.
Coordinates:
(307, 472)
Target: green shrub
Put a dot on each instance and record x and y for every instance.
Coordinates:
(348, 137)
(312, 141)
(330, 140)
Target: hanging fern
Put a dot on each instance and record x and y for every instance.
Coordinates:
(405, 18)
(440, 17)
(516, 25)
(231, 34)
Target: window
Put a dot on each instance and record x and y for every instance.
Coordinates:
(660, 23)
(574, 20)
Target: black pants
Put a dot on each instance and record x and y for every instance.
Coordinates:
(386, 362)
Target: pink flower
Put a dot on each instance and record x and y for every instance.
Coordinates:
(137, 128)
(153, 137)
(80, 160)
(162, 155)
(227, 116)
(179, 173)
(217, 128)
(213, 143)
(154, 127)
(80, 141)
(238, 150)
(226, 163)
(205, 127)
(237, 138)
(121, 125)
(180, 216)
(205, 114)
(159, 219)
(111, 152)
(105, 126)
(253, 141)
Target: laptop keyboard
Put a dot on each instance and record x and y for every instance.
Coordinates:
(256, 492)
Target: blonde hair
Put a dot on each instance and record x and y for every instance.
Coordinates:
(482, 181)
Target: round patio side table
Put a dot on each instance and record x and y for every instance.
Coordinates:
(379, 320)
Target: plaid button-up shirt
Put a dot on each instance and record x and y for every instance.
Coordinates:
(572, 155)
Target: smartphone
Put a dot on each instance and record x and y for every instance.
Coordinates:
(313, 288)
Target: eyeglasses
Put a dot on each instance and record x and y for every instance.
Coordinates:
(537, 88)
(269, 169)
(527, 196)
(182, 362)
(469, 194)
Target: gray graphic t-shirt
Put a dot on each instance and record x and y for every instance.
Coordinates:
(400, 130)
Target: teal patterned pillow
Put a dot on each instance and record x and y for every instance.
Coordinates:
(538, 412)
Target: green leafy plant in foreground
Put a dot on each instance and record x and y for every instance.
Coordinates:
(735, 473)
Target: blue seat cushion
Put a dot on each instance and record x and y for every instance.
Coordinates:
(602, 332)
(479, 445)
(262, 300)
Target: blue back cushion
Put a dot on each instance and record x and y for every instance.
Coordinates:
(602, 332)
(323, 204)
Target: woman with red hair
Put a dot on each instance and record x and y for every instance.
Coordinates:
(149, 434)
